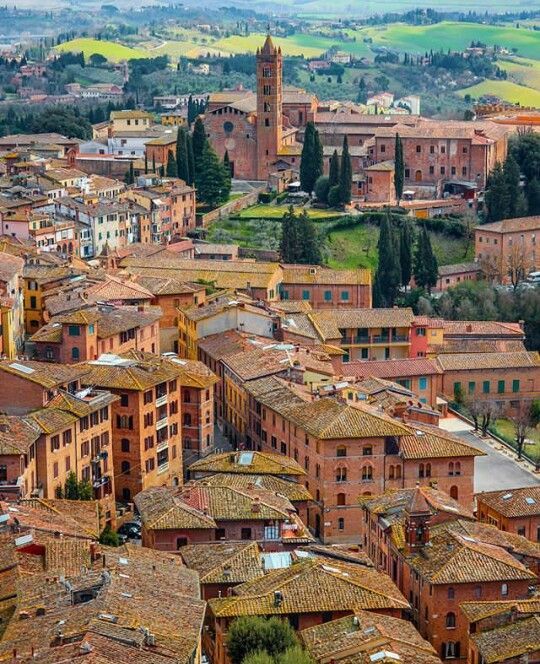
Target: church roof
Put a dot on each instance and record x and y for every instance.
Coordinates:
(268, 48)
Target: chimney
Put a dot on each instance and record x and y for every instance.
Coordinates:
(255, 505)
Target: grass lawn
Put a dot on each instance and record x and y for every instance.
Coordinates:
(277, 212)
(506, 90)
(357, 247)
(110, 50)
(506, 428)
(523, 70)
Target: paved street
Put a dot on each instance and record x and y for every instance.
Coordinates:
(495, 471)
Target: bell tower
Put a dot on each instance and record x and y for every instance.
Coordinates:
(418, 514)
(269, 107)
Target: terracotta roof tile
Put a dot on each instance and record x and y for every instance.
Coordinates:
(475, 611)
(507, 643)
(512, 225)
(312, 586)
(512, 503)
(403, 368)
(293, 491)
(426, 441)
(46, 374)
(251, 463)
(475, 361)
(227, 562)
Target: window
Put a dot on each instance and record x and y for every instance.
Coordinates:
(367, 451)
(187, 420)
(450, 620)
(147, 397)
(485, 387)
(75, 353)
(305, 295)
(125, 468)
(504, 589)
(383, 148)
(478, 592)
(450, 650)
(500, 386)
(283, 448)
(418, 149)
(124, 400)
(55, 469)
(246, 533)
(55, 443)
(451, 593)
(341, 523)
(74, 330)
(341, 451)
(515, 385)
(327, 296)
(124, 444)
(367, 473)
(273, 442)
(341, 475)
(345, 295)
(422, 383)
(66, 437)
(341, 499)
(472, 386)
(451, 468)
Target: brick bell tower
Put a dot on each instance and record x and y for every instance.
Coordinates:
(269, 107)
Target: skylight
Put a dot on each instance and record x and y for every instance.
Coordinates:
(507, 496)
(21, 368)
(530, 501)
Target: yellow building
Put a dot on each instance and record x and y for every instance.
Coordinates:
(173, 119)
(130, 120)
(11, 305)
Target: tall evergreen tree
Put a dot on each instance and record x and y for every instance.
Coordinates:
(514, 193)
(214, 183)
(182, 155)
(153, 164)
(172, 169)
(399, 168)
(388, 274)
(227, 168)
(291, 242)
(362, 91)
(405, 253)
(199, 142)
(345, 175)
(190, 160)
(130, 174)
(533, 197)
(496, 196)
(333, 175)
(310, 244)
(425, 266)
(145, 163)
(307, 162)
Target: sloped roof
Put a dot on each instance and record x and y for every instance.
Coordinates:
(293, 491)
(160, 509)
(426, 441)
(461, 361)
(227, 562)
(252, 463)
(475, 611)
(46, 374)
(512, 503)
(312, 586)
(507, 643)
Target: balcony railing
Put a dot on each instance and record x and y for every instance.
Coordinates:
(162, 423)
(163, 468)
(161, 401)
(162, 446)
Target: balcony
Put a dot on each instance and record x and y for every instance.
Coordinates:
(162, 446)
(161, 401)
(160, 424)
(351, 341)
(163, 468)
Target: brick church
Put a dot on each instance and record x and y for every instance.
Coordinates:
(259, 131)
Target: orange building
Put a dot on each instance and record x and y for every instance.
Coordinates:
(439, 558)
(513, 510)
(146, 419)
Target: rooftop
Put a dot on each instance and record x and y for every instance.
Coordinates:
(46, 374)
(517, 225)
(402, 368)
(509, 642)
(252, 463)
(477, 361)
(227, 562)
(513, 503)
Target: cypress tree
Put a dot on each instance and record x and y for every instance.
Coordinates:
(307, 181)
(511, 177)
(318, 157)
(145, 163)
(399, 168)
(153, 164)
(533, 197)
(425, 267)
(190, 160)
(345, 176)
(182, 155)
(388, 274)
(310, 250)
(333, 175)
(496, 196)
(130, 174)
(172, 169)
(405, 253)
(227, 169)
(199, 142)
(290, 244)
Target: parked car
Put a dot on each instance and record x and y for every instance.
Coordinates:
(130, 530)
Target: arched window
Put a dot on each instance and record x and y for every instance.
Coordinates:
(75, 353)
(504, 589)
(451, 468)
(450, 620)
(391, 473)
(367, 473)
(125, 467)
(341, 451)
(398, 472)
(341, 475)
(451, 593)
(421, 470)
(457, 468)
(187, 420)
(454, 492)
(341, 523)
(341, 499)
(477, 592)
(124, 445)
(428, 470)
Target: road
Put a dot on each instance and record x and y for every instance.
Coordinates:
(495, 471)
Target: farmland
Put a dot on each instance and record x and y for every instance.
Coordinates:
(506, 90)
(110, 50)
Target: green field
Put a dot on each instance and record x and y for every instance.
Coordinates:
(522, 70)
(506, 90)
(110, 50)
(356, 247)
(277, 212)
(454, 35)
(506, 430)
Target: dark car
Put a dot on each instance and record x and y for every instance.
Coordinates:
(130, 530)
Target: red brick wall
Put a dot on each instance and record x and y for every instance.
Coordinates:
(529, 526)
(240, 142)
(359, 295)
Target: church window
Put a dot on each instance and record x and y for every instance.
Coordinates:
(228, 127)
(267, 72)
